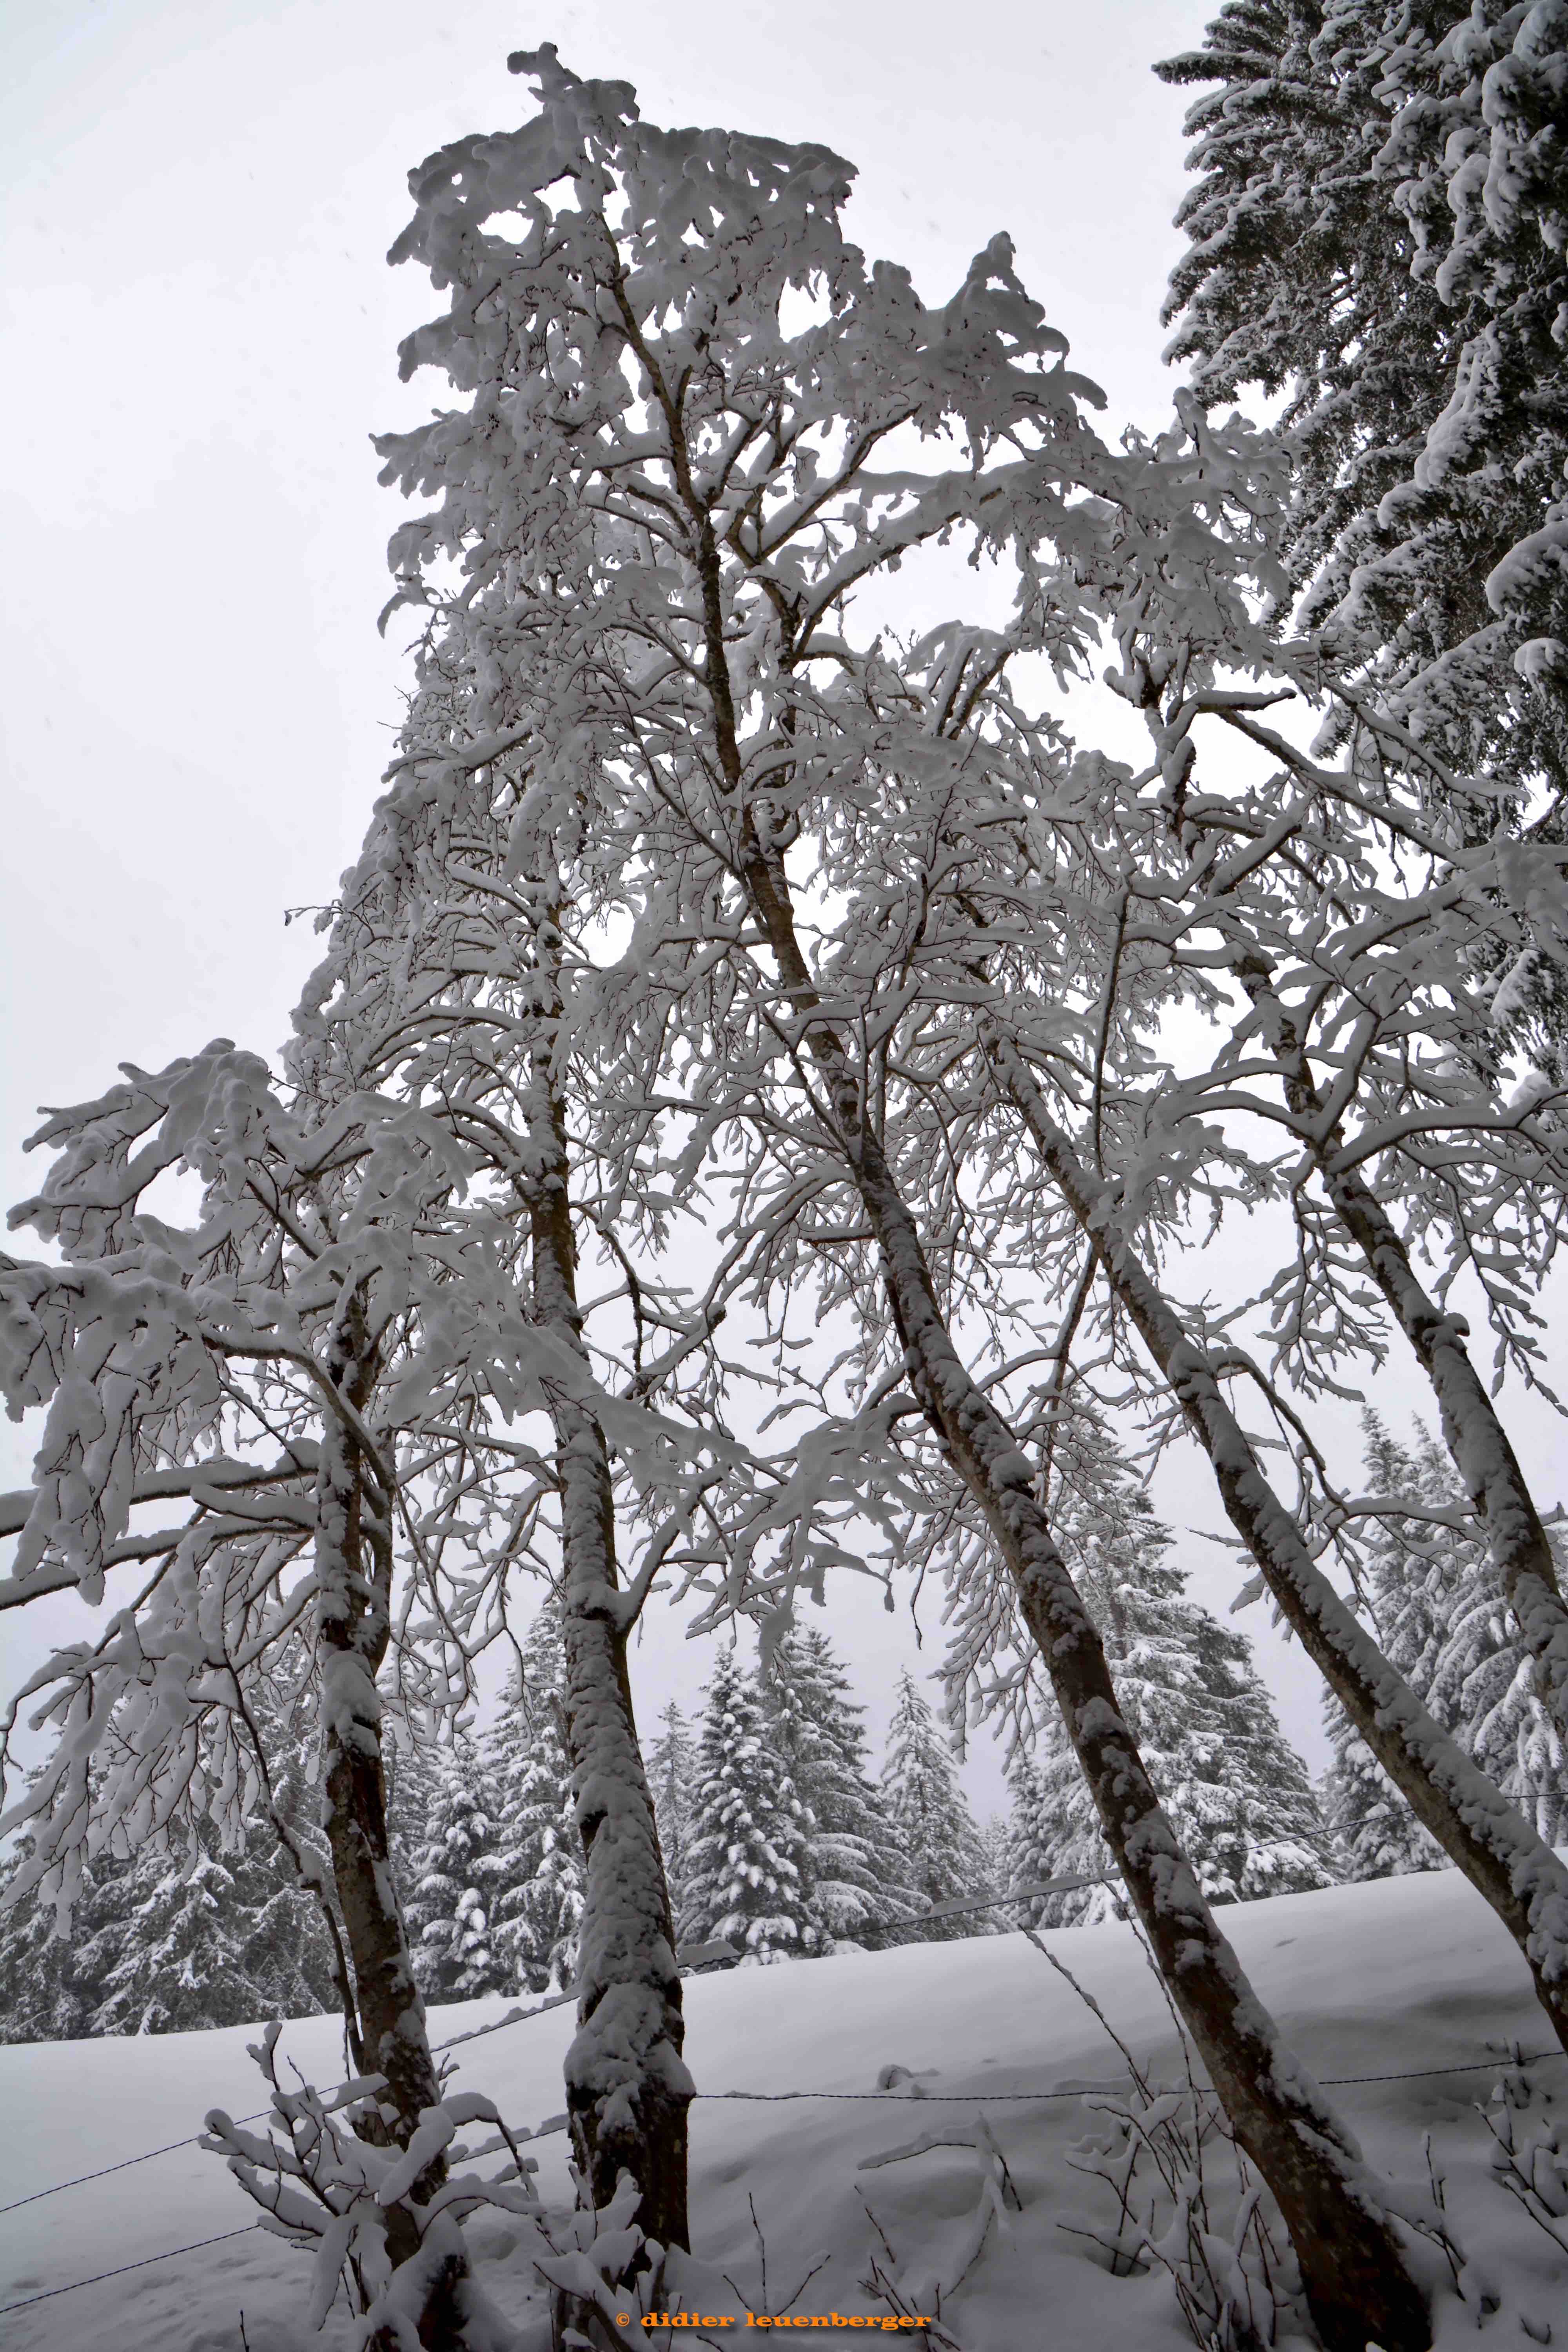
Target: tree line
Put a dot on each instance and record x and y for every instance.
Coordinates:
(776, 1836)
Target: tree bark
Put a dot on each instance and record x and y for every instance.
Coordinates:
(627, 2089)
(387, 2034)
(1475, 1436)
(1502, 1855)
(1352, 2268)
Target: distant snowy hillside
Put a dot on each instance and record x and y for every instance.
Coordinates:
(1370, 1979)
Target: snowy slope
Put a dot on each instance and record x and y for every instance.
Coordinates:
(1370, 1980)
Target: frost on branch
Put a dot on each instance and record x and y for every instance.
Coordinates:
(328, 2177)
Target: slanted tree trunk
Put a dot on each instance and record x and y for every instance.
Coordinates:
(627, 2090)
(388, 2032)
(1502, 1855)
(1475, 1436)
(1354, 2273)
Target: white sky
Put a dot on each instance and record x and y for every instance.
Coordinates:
(200, 335)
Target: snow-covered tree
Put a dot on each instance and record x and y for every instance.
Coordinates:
(1375, 233)
(1032, 1840)
(1430, 1585)
(449, 872)
(996, 1845)
(48, 1991)
(456, 1879)
(250, 1380)
(205, 1924)
(1375, 1833)
(411, 1770)
(749, 1857)
(1231, 1782)
(1475, 1668)
(671, 1771)
(669, 578)
(1423, 1061)
(539, 1850)
(860, 1874)
(931, 1813)
(207, 1938)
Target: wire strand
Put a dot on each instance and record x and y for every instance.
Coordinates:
(192, 2140)
(765, 2098)
(935, 2098)
(145, 2264)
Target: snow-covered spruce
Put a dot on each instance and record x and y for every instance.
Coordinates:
(183, 1934)
(1237, 1792)
(539, 1894)
(456, 1878)
(931, 1814)
(1431, 1594)
(1376, 232)
(862, 1872)
(671, 1773)
(748, 1857)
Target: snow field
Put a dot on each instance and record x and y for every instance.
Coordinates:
(1379, 1979)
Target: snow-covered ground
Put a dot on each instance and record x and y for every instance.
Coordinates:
(1381, 1979)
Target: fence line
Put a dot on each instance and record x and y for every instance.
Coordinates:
(145, 2264)
(512, 2017)
(556, 2000)
(763, 2098)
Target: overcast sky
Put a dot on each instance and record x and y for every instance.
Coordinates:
(200, 335)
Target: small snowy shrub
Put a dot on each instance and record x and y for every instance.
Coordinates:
(1530, 2158)
(1187, 2200)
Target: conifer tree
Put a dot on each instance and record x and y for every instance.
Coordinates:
(1375, 1833)
(207, 1938)
(1235, 1789)
(455, 1880)
(930, 1811)
(1484, 1686)
(1433, 1593)
(177, 1937)
(861, 1878)
(411, 1771)
(1032, 1840)
(49, 1990)
(1375, 231)
(748, 1858)
(539, 1850)
(182, 1931)
(1411, 1581)
(995, 1844)
(671, 1771)
(539, 1883)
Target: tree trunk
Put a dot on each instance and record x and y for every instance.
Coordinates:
(1502, 1855)
(627, 2090)
(1346, 2241)
(1473, 1432)
(387, 2035)
(1356, 2281)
